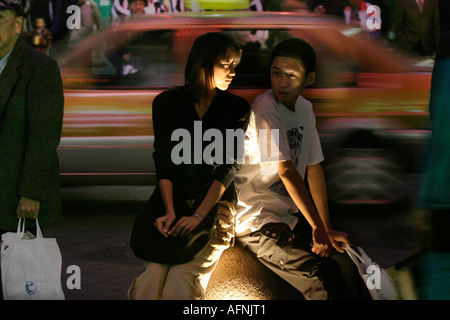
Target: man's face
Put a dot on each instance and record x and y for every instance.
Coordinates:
(288, 79)
(137, 7)
(10, 28)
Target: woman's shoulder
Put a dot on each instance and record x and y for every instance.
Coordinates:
(171, 97)
(172, 93)
(236, 102)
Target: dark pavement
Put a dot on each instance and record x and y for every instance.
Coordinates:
(95, 231)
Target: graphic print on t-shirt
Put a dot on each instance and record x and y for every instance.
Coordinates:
(294, 137)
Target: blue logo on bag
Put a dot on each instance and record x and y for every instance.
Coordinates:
(30, 287)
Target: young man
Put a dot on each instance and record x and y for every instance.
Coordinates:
(277, 219)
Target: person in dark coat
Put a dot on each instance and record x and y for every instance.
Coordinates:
(416, 25)
(31, 114)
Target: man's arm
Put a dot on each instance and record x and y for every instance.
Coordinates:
(299, 193)
(318, 189)
(45, 107)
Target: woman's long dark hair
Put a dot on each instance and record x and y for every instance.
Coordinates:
(207, 49)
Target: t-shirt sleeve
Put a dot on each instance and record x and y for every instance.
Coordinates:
(270, 129)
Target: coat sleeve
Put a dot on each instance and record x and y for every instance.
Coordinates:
(45, 109)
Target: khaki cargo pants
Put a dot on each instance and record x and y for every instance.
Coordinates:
(187, 281)
(288, 254)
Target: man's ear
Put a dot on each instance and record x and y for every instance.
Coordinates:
(19, 24)
(310, 78)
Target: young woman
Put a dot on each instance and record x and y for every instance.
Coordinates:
(194, 169)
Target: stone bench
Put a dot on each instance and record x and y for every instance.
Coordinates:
(240, 276)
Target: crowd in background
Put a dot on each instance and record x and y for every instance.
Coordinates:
(411, 24)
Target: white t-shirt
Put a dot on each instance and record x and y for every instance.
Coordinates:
(262, 197)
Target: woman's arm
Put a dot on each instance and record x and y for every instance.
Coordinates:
(186, 224)
(162, 124)
(163, 223)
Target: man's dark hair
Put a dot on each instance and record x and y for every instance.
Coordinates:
(297, 49)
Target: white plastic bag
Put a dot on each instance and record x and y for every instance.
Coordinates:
(378, 282)
(30, 268)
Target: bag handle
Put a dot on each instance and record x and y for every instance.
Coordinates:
(38, 231)
(21, 228)
(352, 251)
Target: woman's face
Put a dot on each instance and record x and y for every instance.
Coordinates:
(224, 71)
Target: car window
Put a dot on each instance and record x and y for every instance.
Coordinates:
(156, 58)
(337, 64)
(129, 60)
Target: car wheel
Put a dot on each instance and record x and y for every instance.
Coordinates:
(364, 171)
(365, 176)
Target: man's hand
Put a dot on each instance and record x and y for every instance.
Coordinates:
(28, 208)
(338, 239)
(321, 243)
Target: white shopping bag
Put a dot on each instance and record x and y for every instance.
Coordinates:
(30, 268)
(378, 282)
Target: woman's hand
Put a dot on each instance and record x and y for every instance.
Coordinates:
(163, 223)
(184, 226)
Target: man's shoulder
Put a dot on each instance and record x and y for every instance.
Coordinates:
(265, 102)
(303, 103)
(32, 56)
(305, 108)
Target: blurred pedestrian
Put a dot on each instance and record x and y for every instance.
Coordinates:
(139, 7)
(434, 197)
(294, 5)
(41, 37)
(256, 5)
(416, 26)
(91, 21)
(386, 9)
(174, 5)
(355, 14)
(122, 62)
(31, 113)
(191, 198)
(330, 7)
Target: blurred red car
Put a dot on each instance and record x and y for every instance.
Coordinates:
(371, 101)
